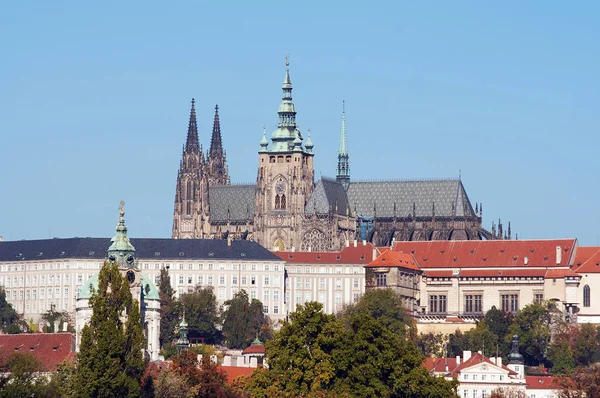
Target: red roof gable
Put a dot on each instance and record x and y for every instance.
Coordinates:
(541, 383)
(391, 258)
(49, 348)
(588, 259)
(474, 360)
(561, 273)
(491, 253)
(438, 365)
(361, 254)
(233, 372)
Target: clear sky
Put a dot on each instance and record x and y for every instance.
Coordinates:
(95, 96)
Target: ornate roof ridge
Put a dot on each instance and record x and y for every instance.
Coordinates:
(235, 184)
(407, 180)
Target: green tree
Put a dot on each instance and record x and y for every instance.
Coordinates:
(498, 323)
(563, 360)
(110, 361)
(170, 309)
(201, 313)
(10, 321)
(586, 345)
(532, 325)
(364, 351)
(243, 320)
(25, 378)
(53, 318)
(477, 339)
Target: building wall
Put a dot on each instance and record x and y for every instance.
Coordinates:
(35, 285)
(589, 314)
(333, 285)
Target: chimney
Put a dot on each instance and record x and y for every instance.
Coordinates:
(499, 361)
(228, 240)
(65, 325)
(1, 239)
(355, 243)
(558, 255)
(526, 260)
(347, 243)
(364, 242)
(293, 249)
(466, 355)
(457, 360)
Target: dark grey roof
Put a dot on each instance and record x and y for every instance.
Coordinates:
(444, 193)
(328, 194)
(232, 202)
(146, 249)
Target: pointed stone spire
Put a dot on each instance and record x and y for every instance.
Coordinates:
(216, 143)
(343, 168)
(192, 144)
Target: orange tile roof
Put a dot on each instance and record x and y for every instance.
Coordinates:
(438, 365)
(437, 274)
(541, 383)
(233, 372)
(474, 360)
(391, 258)
(590, 262)
(49, 348)
(254, 349)
(361, 254)
(584, 253)
(492, 253)
(503, 273)
(561, 273)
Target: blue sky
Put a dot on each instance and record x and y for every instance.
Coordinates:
(94, 103)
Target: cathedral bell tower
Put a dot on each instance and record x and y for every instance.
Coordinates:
(285, 179)
(343, 168)
(191, 194)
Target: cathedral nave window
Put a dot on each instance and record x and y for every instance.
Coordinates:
(586, 296)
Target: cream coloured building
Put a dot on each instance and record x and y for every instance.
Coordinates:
(37, 274)
(331, 278)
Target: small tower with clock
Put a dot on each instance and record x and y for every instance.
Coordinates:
(285, 179)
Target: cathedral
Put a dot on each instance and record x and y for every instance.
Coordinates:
(286, 210)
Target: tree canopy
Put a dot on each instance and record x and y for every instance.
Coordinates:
(243, 320)
(110, 361)
(10, 321)
(201, 314)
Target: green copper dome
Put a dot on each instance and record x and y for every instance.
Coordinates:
(149, 290)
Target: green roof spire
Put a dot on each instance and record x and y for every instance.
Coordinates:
(121, 249)
(343, 168)
(264, 143)
(183, 342)
(309, 144)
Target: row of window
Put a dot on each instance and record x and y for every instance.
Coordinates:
(219, 267)
(210, 280)
(473, 303)
(51, 279)
(33, 294)
(323, 283)
(305, 297)
(327, 270)
(49, 266)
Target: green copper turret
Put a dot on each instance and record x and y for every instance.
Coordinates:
(121, 250)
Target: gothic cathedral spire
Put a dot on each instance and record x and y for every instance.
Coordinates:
(217, 162)
(191, 194)
(343, 168)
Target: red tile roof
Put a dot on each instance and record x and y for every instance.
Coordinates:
(561, 273)
(541, 383)
(492, 253)
(437, 274)
(391, 258)
(49, 348)
(474, 360)
(584, 253)
(361, 254)
(502, 272)
(438, 365)
(588, 260)
(233, 372)
(254, 349)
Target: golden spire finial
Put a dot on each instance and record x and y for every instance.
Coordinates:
(121, 211)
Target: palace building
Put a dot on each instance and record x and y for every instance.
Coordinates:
(286, 210)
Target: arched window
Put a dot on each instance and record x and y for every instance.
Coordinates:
(586, 296)
(189, 190)
(277, 202)
(283, 201)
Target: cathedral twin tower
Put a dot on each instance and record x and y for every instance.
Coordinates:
(287, 210)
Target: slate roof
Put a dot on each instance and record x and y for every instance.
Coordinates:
(328, 193)
(363, 195)
(232, 202)
(146, 249)
(49, 348)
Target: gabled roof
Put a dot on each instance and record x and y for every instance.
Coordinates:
(449, 196)
(491, 253)
(49, 348)
(328, 194)
(541, 383)
(438, 365)
(361, 254)
(588, 260)
(234, 203)
(561, 273)
(391, 258)
(233, 372)
(147, 249)
(476, 359)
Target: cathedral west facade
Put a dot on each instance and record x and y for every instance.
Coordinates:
(286, 210)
